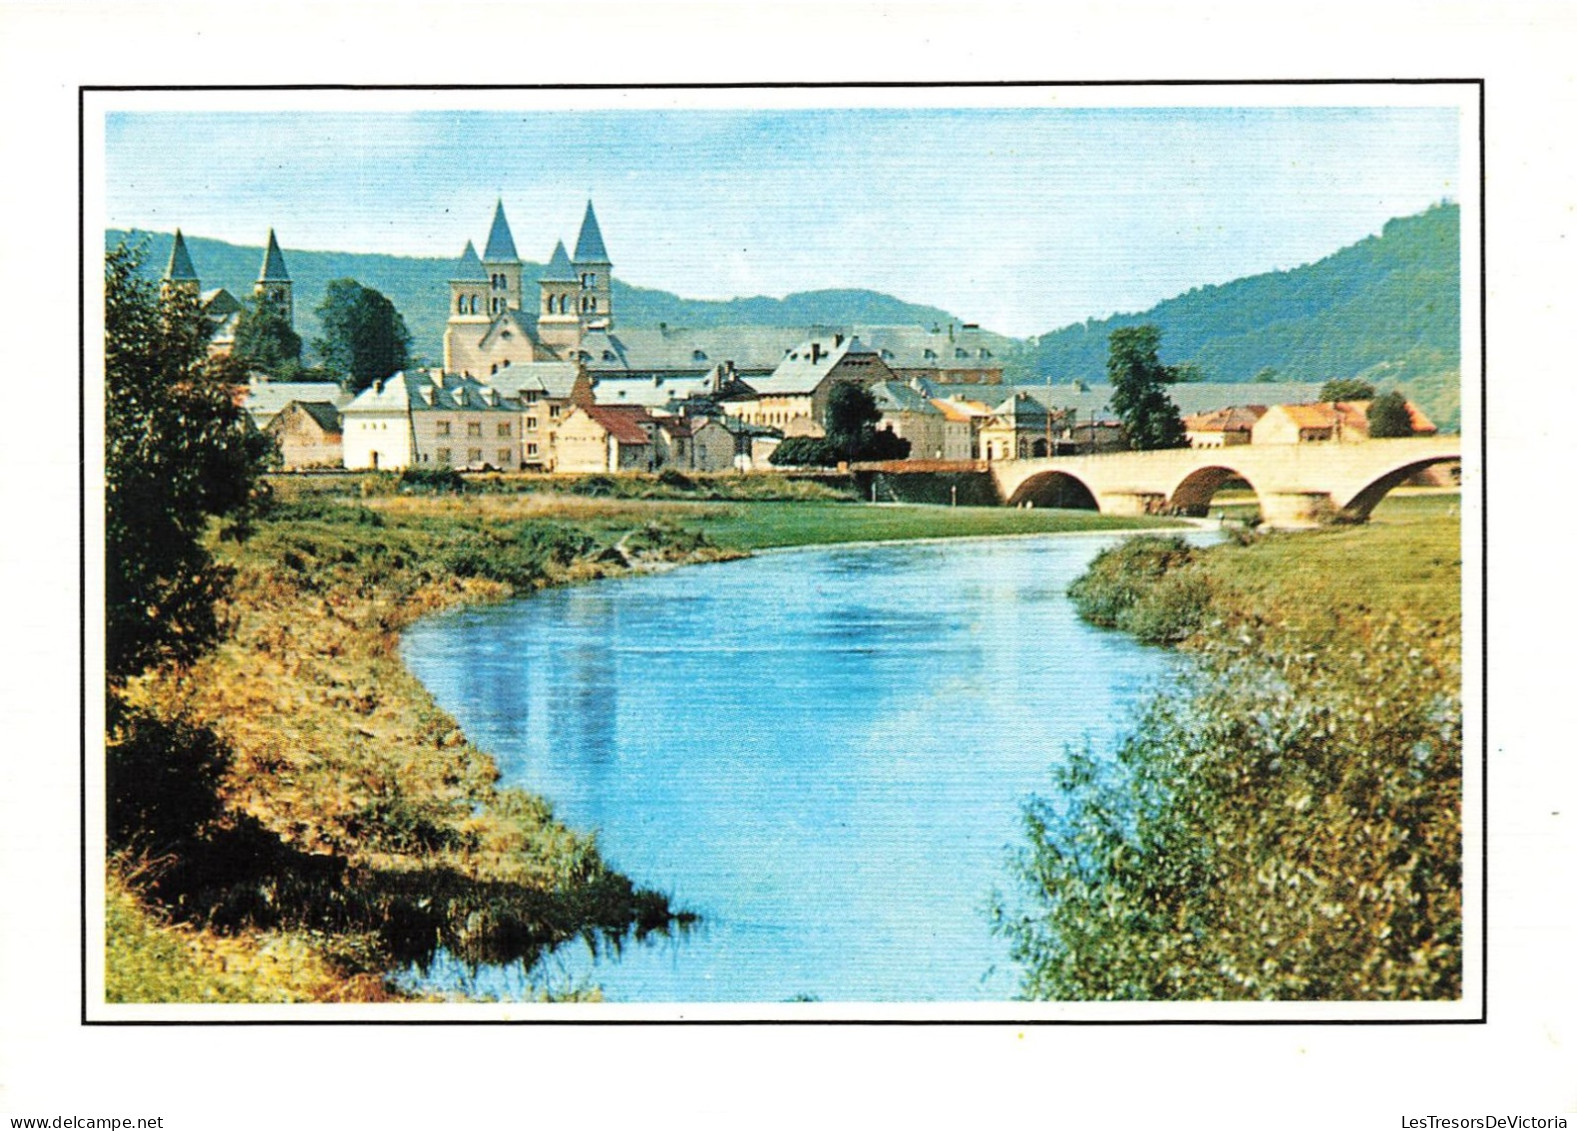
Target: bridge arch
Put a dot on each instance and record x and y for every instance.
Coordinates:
(1359, 507)
(1192, 496)
(1056, 489)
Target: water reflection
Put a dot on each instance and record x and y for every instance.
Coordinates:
(823, 753)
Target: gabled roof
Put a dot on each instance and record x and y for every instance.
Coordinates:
(180, 269)
(468, 269)
(895, 396)
(622, 422)
(410, 392)
(265, 398)
(273, 263)
(1235, 418)
(558, 269)
(588, 247)
(500, 244)
(554, 380)
(326, 416)
(804, 367)
(650, 392)
(960, 410)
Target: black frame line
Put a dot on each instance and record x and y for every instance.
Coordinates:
(997, 84)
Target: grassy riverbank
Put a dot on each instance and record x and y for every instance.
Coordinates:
(1287, 824)
(351, 825)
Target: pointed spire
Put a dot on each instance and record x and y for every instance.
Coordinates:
(558, 269)
(273, 263)
(469, 269)
(589, 248)
(180, 269)
(500, 244)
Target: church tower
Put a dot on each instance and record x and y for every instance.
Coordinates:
(273, 281)
(558, 319)
(502, 266)
(180, 277)
(594, 273)
(470, 295)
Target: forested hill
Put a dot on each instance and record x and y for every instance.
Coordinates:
(419, 289)
(1387, 307)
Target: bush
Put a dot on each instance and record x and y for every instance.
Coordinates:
(673, 477)
(1124, 577)
(162, 780)
(1287, 827)
(805, 451)
(432, 480)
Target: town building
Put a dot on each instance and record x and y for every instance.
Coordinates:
(607, 438)
(308, 435)
(1223, 427)
(1341, 422)
(909, 414)
(431, 420)
(793, 398)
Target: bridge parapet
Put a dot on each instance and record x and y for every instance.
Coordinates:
(1297, 484)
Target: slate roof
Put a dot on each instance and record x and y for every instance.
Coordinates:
(326, 416)
(500, 243)
(895, 396)
(180, 269)
(273, 263)
(555, 380)
(1093, 402)
(265, 399)
(558, 269)
(588, 247)
(806, 366)
(650, 392)
(468, 269)
(406, 392)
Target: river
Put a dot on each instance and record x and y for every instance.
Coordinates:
(821, 752)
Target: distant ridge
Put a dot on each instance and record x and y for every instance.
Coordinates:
(1386, 308)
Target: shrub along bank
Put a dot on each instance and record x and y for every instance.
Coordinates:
(1287, 824)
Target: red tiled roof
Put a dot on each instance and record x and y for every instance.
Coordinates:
(622, 422)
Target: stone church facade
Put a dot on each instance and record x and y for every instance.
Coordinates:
(499, 319)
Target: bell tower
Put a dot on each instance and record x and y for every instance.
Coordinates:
(470, 292)
(558, 320)
(180, 277)
(273, 281)
(502, 266)
(594, 273)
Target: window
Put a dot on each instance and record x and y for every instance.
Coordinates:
(930, 355)
(553, 412)
(473, 455)
(531, 424)
(504, 457)
(503, 429)
(445, 455)
(459, 306)
(531, 449)
(474, 428)
(441, 428)
(609, 355)
(531, 396)
(697, 355)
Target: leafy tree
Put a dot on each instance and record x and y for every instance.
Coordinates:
(265, 340)
(1272, 832)
(364, 338)
(1388, 416)
(1346, 389)
(1133, 366)
(851, 425)
(179, 452)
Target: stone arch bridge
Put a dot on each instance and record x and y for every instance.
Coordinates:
(1297, 484)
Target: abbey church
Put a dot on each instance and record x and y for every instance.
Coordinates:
(491, 327)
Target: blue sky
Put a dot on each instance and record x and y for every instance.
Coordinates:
(1023, 219)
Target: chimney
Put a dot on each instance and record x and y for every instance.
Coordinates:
(837, 340)
(815, 352)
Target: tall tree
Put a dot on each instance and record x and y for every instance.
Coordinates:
(179, 452)
(364, 338)
(1139, 398)
(851, 425)
(265, 340)
(1388, 416)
